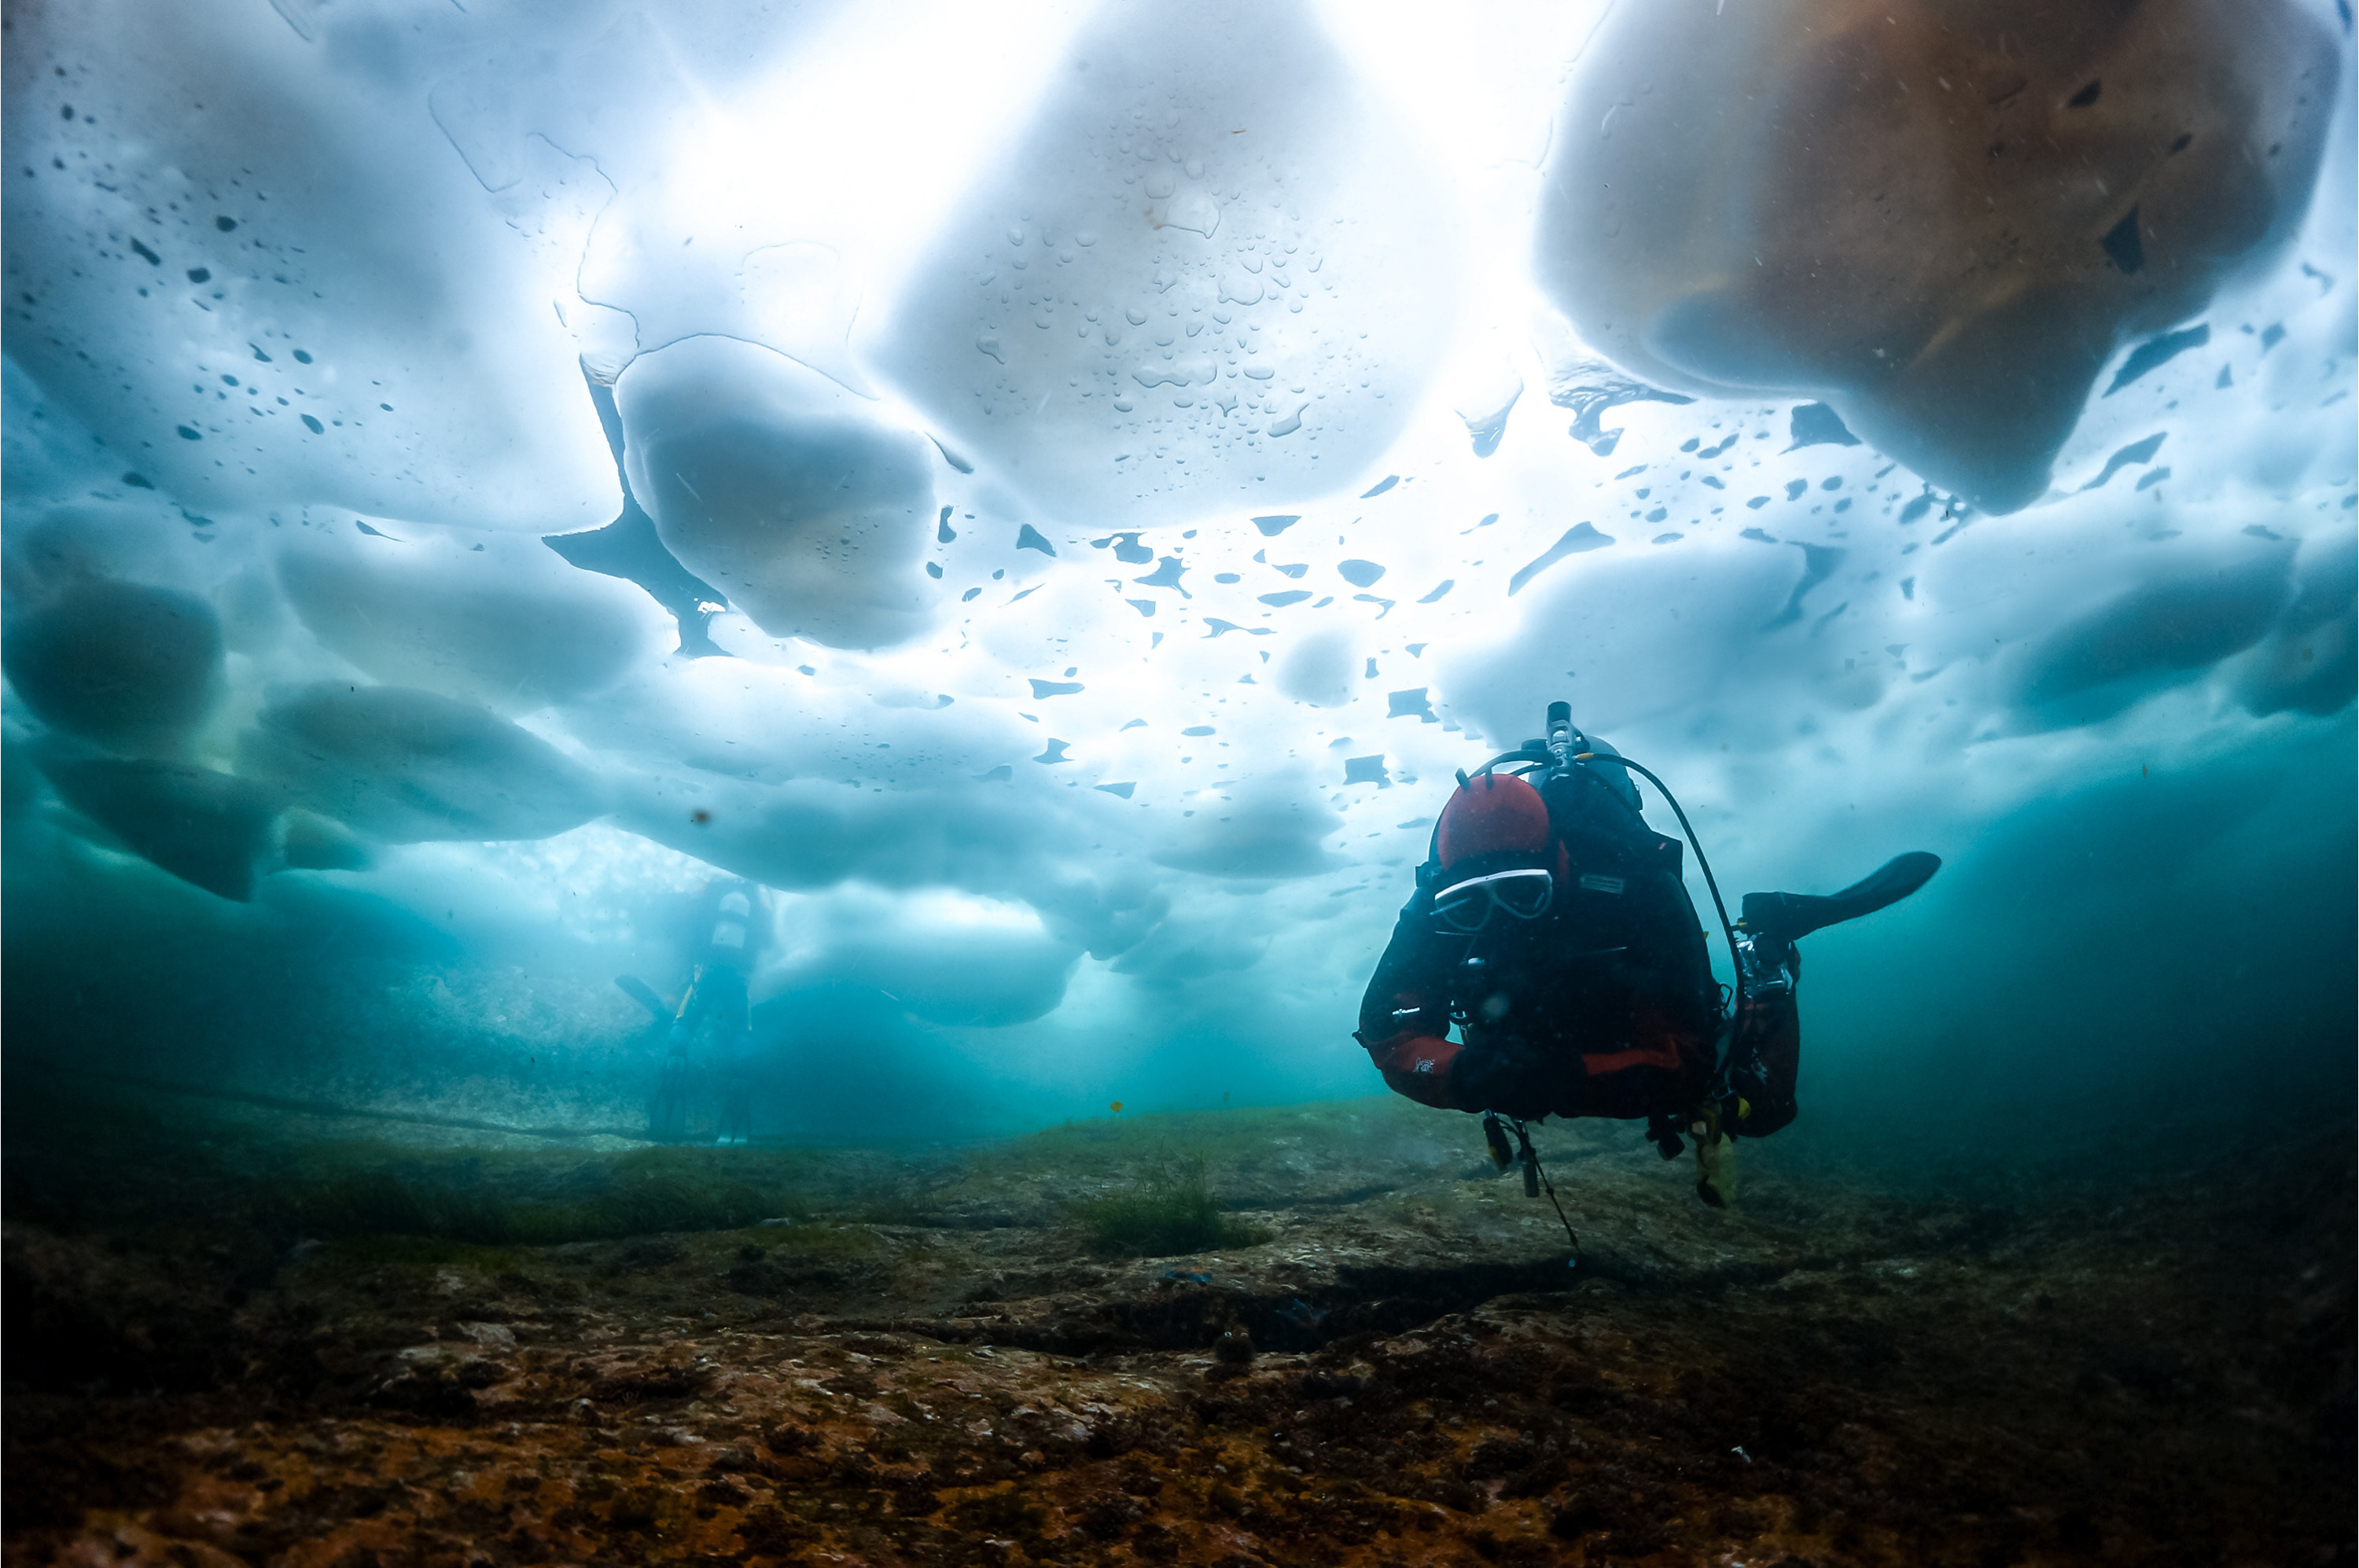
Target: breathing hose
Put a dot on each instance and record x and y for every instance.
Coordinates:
(1736, 963)
(1537, 763)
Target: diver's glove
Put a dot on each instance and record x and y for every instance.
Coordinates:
(1766, 962)
(1418, 1065)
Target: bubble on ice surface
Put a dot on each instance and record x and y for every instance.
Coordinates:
(1592, 388)
(795, 498)
(1194, 209)
(1165, 574)
(1577, 540)
(1411, 703)
(1484, 404)
(1704, 233)
(1320, 174)
(2138, 452)
(2157, 351)
(1815, 424)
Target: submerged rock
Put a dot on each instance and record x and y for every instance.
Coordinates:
(1840, 1370)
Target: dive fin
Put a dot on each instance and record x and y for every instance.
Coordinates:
(1791, 916)
(641, 993)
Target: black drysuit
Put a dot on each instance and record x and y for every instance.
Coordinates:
(1604, 1006)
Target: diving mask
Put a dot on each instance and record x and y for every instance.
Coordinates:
(1467, 906)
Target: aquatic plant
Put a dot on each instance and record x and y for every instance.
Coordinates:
(1170, 1209)
(601, 1197)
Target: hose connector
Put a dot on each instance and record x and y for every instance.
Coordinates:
(1560, 736)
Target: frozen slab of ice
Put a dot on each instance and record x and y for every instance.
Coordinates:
(133, 668)
(499, 620)
(805, 504)
(1942, 225)
(405, 766)
(1214, 271)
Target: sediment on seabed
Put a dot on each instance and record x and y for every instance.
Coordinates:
(239, 1335)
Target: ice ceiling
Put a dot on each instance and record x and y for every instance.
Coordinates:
(1056, 491)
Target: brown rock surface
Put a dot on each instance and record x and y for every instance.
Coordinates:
(2157, 1368)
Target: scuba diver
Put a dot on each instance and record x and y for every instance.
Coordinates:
(1553, 928)
(714, 1003)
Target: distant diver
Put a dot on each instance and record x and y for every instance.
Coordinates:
(1552, 928)
(715, 1005)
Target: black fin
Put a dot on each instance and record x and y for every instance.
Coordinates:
(1791, 916)
(641, 993)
